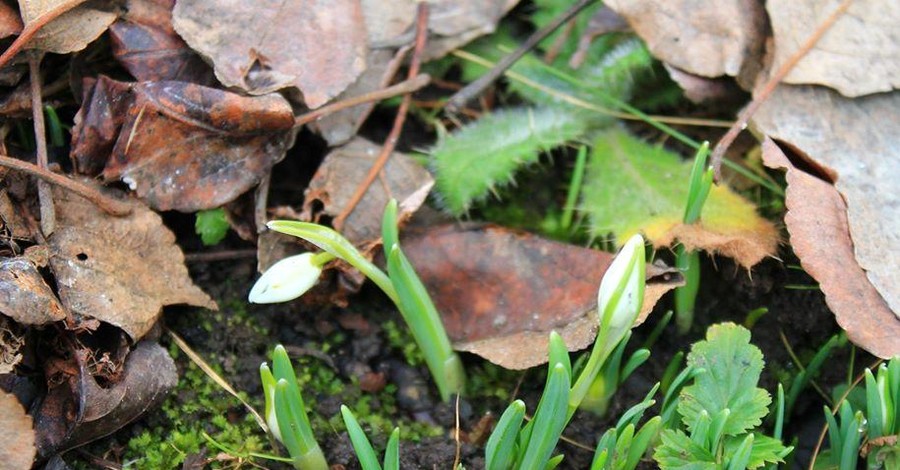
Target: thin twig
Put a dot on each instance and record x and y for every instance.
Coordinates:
(391, 142)
(32, 28)
(413, 84)
(226, 255)
(45, 193)
(105, 203)
(460, 98)
(766, 90)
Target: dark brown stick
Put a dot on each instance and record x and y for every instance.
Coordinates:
(760, 97)
(460, 98)
(105, 203)
(413, 84)
(45, 193)
(226, 255)
(391, 142)
(32, 28)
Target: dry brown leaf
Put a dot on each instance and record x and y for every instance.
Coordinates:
(10, 23)
(118, 270)
(702, 38)
(859, 55)
(820, 236)
(17, 449)
(317, 46)
(24, 296)
(70, 32)
(858, 141)
(341, 173)
(501, 292)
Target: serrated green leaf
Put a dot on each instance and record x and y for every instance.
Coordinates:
(765, 449)
(484, 155)
(633, 187)
(678, 452)
(733, 366)
(212, 226)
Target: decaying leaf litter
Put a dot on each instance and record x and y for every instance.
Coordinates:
(187, 107)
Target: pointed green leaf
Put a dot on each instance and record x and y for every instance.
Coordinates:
(678, 452)
(365, 453)
(500, 449)
(392, 451)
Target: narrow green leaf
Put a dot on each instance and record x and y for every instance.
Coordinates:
(874, 406)
(641, 442)
(741, 456)
(558, 352)
(365, 453)
(286, 420)
(389, 230)
(678, 452)
(282, 370)
(501, 445)
(549, 420)
(392, 451)
(554, 462)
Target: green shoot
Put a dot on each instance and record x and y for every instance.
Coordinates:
(622, 447)
(368, 459)
(612, 374)
(844, 435)
(688, 262)
(883, 414)
(804, 378)
(400, 284)
(286, 413)
(212, 226)
(54, 127)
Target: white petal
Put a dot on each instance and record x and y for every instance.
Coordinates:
(286, 280)
(623, 273)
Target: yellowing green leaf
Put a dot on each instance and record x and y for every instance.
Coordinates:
(633, 187)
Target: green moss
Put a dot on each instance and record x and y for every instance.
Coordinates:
(399, 338)
(489, 380)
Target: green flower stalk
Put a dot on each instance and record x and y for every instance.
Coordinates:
(400, 284)
(286, 413)
(612, 374)
(619, 301)
(685, 260)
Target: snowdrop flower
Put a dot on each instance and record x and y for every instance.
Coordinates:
(621, 291)
(289, 278)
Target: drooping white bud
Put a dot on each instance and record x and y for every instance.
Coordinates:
(286, 280)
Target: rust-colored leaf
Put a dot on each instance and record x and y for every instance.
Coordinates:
(820, 236)
(706, 39)
(70, 32)
(10, 23)
(859, 55)
(342, 172)
(24, 296)
(145, 42)
(318, 47)
(120, 270)
(16, 434)
(500, 292)
(181, 146)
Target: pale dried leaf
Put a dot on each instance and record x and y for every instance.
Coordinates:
(316, 46)
(859, 55)
(820, 236)
(24, 296)
(120, 270)
(70, 32)
(858, 141)
(702, 38)
(17, 449)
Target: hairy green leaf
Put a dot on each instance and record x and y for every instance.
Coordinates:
(733, 366)
(212, 226)
(679, 452)
(484, 155)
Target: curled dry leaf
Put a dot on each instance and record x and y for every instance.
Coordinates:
(316, 46)
(178, 145)
(24, 296)
(17, 449)
(120, 270)
(70, 32)
(820, 236)
(706, 39)
(859, 55)
(341, 173)
(858, 143)
(501, 292)
(146, 44)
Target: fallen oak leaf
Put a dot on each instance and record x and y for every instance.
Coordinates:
(24, 296)
(820, 236)
(69, 32)
(501, 292)
(120, 270)
(16, 434)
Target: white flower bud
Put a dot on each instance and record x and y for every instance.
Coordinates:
(621, 291)
(286, 280)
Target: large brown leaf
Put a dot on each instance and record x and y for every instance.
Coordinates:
(178, 145)
(820, 236)
(859, 55)
(24, 296)
(70, 32)
(16, 435)
(500, 292)
(857, 141)
(702, 38)
(316, 46)
(120, 270)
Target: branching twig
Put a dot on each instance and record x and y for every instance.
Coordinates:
(105, 203)
(45, 194)
(391, 141)
(32, 28)
(413, 84)
(760, 97)
(460, 98)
